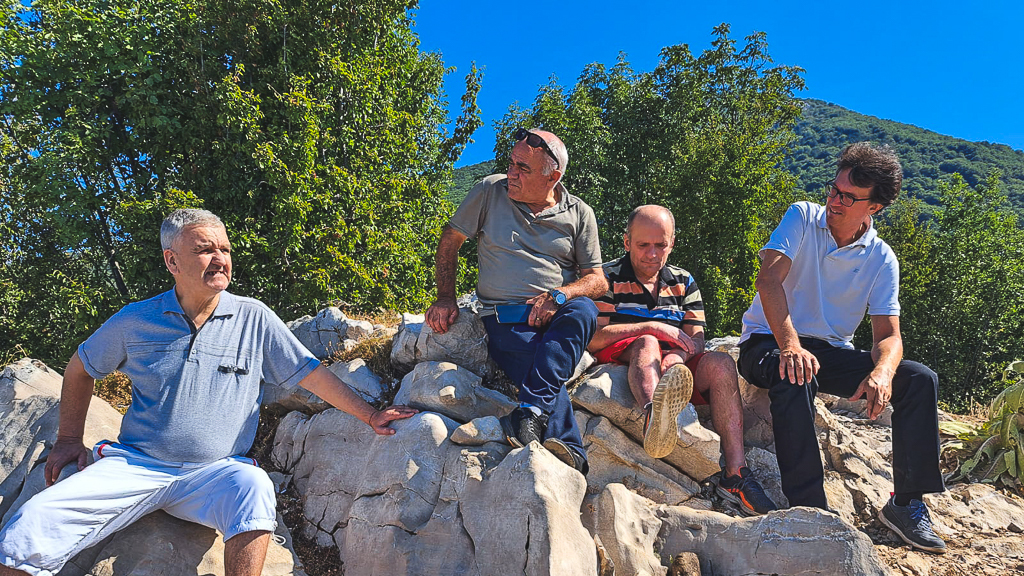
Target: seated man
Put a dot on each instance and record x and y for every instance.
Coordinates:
(196, 356)
(822, 269)
(538, 252)
(652, 319)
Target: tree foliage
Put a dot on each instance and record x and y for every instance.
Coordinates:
(314, 129)
(702, 134)
(961, 287)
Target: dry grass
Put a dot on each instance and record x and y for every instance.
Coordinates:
(116, 390)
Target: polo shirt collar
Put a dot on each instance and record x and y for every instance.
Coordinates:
(227, 305)
(865, 239)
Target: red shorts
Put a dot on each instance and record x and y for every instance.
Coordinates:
(611, 354)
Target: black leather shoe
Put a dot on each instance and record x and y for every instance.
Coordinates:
(522, 426)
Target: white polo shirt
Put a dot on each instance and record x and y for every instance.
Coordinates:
(829, 288)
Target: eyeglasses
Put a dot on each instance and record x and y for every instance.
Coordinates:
(535, 141)
(845, 198)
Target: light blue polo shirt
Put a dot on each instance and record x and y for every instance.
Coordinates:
(195, 394)
(829, 288)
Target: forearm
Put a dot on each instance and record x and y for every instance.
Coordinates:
(612, 333)
(75, 395)
(776, 312)
(331, 389)
(887, 354)
(590, 285)
(446, 263)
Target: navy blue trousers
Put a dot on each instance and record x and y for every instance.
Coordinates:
(915, 422)
(541, 360)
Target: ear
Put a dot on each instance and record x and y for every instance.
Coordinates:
(170, 260)
(555, 176)
(625, 241)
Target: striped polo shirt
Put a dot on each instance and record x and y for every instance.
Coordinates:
(678, 301)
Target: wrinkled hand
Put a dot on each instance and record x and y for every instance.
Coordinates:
(675, 336)
(543, 310)
(442, 314)
(877, 389)
(380, 419)
(65, 451)
(797, 365)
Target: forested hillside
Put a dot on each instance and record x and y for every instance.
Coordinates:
(824, 129)
(927, 156)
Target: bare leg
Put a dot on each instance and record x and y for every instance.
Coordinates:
(244, 553)
(5, 571)
(716, 380)
(644, 357)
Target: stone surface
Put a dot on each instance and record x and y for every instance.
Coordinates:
(359, 378)
(451, 390)
(478, 431)
(615, 458)
(605, 390)
(321, 334)
(358, 329)
(630, 525)
(161, 545)
(29, 413)
(796, 541)
(438, 508)
(465, 344)
(356, 374)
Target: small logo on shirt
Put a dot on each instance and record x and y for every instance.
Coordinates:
(227, 369)
(514, 234)
(855, 270)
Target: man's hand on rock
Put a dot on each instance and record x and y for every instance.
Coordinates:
(797, 365)
(442, 314)
(877, 390)
(543, 310)
(65, 451)
(380, 419)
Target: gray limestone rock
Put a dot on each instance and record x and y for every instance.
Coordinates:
(448, 389)
(465, 344)
(321, 334)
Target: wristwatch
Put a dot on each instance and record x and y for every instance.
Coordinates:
(559, 297)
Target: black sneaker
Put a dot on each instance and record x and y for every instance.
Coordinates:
(745, 492)
(563, 452)
(913, 524)
(522, 426)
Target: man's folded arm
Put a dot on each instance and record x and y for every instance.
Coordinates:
(592, 283)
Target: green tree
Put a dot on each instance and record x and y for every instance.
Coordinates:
(961, 287)
(703, 135)
(314, 129)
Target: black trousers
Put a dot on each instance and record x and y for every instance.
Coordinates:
(915, 425)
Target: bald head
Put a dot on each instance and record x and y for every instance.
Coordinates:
(557, 148)
(654, 215)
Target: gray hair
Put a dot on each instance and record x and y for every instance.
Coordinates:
(178, 220)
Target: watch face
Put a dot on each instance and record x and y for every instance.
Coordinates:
(559, 297)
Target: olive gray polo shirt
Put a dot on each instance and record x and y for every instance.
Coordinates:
(195, 394)
(521, 254)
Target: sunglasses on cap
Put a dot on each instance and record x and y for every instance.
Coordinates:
(535, 141)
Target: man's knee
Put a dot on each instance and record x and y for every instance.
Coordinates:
(913, 379)
(583, 309)
(717, 365)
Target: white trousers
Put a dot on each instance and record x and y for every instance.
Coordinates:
(232, 495)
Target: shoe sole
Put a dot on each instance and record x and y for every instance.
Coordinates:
(671, 394)
(898, 532)
(737, 500)
(560, 451)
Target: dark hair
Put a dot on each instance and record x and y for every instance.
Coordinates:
(875, 167)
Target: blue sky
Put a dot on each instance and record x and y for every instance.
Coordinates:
(952, 67)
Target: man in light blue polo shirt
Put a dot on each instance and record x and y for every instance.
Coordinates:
(196, 356)
(822, 269)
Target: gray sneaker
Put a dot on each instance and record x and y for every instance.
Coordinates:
(670, 396)
(913, 524)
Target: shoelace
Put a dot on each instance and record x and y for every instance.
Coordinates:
(919, 514)
(278, 539)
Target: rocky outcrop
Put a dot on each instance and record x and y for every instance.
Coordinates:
(465, 344)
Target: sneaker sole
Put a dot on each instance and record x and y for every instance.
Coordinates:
(898, 532)
(738, 501)
(560, 451)
(671, 394)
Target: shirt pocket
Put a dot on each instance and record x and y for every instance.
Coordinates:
(152, 364)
